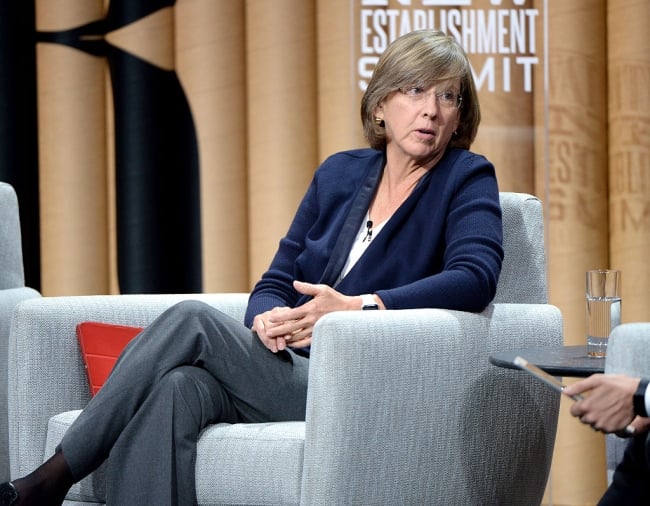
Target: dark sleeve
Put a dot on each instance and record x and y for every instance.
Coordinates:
(473, 250)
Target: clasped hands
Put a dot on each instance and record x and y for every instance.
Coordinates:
(283, 327)
(608, 406)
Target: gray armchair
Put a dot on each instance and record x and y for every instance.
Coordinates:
(12, 291)
(403, 406)
(628, 352)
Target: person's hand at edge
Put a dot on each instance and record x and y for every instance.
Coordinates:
(608, 404)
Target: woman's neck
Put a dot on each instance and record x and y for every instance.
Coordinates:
(394, 188)
(400, 166)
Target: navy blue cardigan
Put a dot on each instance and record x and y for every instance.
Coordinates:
(440, 249)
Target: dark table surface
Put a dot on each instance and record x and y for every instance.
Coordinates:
(556, 360)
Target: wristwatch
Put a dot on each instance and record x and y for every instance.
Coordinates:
(639, 398)
(368, 302)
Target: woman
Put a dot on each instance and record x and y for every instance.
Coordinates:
(412, 222)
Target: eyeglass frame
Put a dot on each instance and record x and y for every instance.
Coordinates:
(454, 102)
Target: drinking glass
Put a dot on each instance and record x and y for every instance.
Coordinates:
(603, 308)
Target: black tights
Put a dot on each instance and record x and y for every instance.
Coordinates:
(47, 485)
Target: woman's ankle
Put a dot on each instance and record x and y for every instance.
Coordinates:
(47, 485)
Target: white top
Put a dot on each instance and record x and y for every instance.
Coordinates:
(361, 242)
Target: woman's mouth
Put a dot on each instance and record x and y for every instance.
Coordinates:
(425, 133)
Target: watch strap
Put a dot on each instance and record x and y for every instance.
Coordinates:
(368, 302)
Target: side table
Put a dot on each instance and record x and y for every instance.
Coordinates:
(571, 361)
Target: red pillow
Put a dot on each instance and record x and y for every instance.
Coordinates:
(101, 344)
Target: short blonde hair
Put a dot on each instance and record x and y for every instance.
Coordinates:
(423, 58)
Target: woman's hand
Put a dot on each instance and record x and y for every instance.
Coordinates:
(608, 407)
(261, 325)
(293, 327)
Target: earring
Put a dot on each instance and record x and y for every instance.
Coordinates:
(379, 121)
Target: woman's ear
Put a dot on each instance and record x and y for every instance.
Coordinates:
(378, 113)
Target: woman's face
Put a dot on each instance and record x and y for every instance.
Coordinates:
(420, 122)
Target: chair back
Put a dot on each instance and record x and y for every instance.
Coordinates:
(628, 352)
(12, 274)
(12, 291)
(523, 275)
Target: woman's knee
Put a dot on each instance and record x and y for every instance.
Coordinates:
(183, 377)
(191, 391)
(198, 311)
(190, 308)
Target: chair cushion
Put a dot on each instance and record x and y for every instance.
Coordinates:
(257, 463)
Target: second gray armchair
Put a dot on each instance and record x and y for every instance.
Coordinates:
(12, 291)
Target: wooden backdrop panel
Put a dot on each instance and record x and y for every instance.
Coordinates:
(506, 133)
(210, 62)
(629, 152)
(72, 156)
(577, 213)
(282, 119)
(339, 96)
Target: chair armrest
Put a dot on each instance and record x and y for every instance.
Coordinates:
(8, 299)
(385, 384)
(46, 371)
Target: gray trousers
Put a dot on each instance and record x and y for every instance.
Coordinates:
(191, 367)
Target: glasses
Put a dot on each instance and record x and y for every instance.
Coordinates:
(446, 99)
